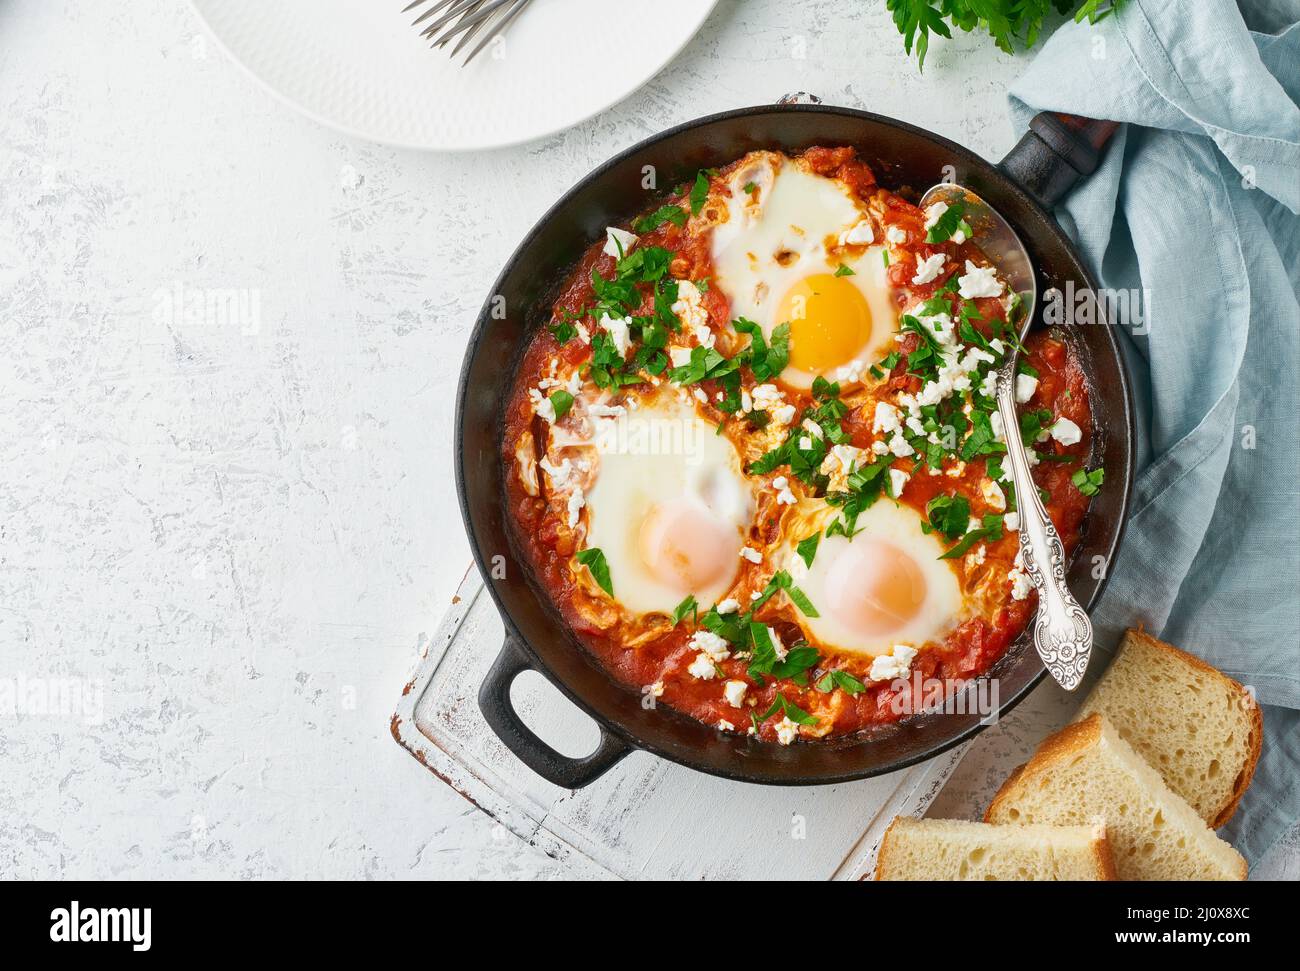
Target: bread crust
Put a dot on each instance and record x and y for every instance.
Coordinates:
(1101, 851)
(1073, 738)
(1248, 702)
(1105, 857)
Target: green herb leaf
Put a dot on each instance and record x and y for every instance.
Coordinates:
(949, 222)
(699, 193)
(950, 515)
(664, 214)
(561, 401)
(845, 271)
(807, 548)
(789, 709)
(594, 560)
(1088, 482)
(687, 606)
(840, 679)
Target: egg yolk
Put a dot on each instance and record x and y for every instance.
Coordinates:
(830, 322)
(874, 588)
(686, 549)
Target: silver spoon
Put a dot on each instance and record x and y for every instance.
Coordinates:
(1062, 630)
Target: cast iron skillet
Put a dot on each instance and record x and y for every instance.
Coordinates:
(1055, 154)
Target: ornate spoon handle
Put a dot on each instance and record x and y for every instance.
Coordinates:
(1062, 630)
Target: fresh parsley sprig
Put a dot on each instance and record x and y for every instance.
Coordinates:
(1010, 23)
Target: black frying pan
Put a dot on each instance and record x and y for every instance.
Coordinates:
(1047, 162)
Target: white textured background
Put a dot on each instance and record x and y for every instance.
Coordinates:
(239, 529)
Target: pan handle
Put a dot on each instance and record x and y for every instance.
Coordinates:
(494, 702)
(1056, 153)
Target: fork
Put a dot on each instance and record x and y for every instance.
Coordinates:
(466, 18)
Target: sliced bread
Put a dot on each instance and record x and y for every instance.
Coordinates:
(947, 849)
(1087, 770)
(1197, 727)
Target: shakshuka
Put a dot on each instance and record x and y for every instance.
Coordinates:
(755, 459)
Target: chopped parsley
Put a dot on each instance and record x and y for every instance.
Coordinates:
(699, 192)
(664, 214)
(687, 606)
(561, 401)
(789, 709)
(1088, 482)
(594, 560)
(807, 548)
(951, 221)
(845, 271)
(846, 682)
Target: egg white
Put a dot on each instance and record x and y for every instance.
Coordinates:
(782, 233)
(888, 522)
(662, 452)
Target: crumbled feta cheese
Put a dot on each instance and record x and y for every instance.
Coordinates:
(701, 397)
(728, 606)
(767, 396)
(1067, 432)
(879, 448)
(896, 235)
(847, 455)
(1026, 385)
(886, 418)
(584, 335)
(726, 726)
(680, 356)
(976, 557)
(703, 668)
(542, 406)
(934, 213)
(1012, 522)
(993, 495)
(751, 554)
(956, 470)
(618, 332)
(897, 479)
(734, 692)
(710, 644)
(812, 428)
(1020, 585)
(979, 281)
(656, 689)
(785, 497)
(989, 386)
(999, 431)
(899, 446)
(786, 731)
(889, 667)
(783, 414)
(606, 411)
(805, 443)
(1032, 456)
(850, 373)
(704, 335)
(859, 235)
(576, 501)
(689, 306)
(615, 238)
(929, 268)
(746, 401)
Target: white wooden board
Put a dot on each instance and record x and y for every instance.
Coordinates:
(646, 818)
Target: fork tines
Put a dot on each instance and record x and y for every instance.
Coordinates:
(466, 19)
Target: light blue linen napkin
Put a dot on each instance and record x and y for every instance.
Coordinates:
(1195, 206)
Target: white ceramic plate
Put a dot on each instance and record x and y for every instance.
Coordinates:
(358, 65)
